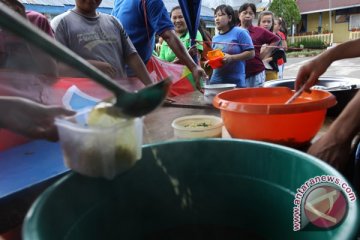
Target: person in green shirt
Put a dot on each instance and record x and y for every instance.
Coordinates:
(182, 32)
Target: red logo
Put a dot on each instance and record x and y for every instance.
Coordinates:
(325, 206)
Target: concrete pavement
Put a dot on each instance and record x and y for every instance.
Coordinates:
(342, 68)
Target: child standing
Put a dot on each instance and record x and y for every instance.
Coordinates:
(100, 39)
(278, 23)
(266, 20)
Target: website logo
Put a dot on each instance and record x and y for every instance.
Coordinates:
(321, 202)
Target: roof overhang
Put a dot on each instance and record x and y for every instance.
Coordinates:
(330, 9)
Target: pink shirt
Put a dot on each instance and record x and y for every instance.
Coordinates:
(40, 21)
(259, 36)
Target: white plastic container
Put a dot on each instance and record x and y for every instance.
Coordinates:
(210, 91)
(99, 151)
(197, 126)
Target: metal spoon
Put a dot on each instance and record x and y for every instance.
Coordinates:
(130, 104)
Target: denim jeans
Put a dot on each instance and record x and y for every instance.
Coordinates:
(255, 80)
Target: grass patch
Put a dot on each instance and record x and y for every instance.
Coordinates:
(304, 53)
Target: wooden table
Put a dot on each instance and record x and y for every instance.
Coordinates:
(157, 125)
(26, 170)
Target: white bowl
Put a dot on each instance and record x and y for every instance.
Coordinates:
(197, 126)
(213, 89)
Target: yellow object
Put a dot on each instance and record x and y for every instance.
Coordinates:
(104, 115)
(271, 75)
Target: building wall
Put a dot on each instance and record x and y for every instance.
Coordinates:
(326, 23)
(340, 30)
(313, 22)
(345, 22)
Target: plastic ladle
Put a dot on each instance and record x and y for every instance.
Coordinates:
(296, 95)
(130, 104)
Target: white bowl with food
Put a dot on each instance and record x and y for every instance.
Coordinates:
(197, 126)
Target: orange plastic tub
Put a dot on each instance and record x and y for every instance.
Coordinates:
(260, 114)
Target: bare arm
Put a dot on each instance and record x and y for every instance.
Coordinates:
(267, 50)
(334, 146)
(312, 70)
(30, 118)
(239, 57)
(107, 68)
(178, 48)
(193, 51)
(284, 44)
(138, 66)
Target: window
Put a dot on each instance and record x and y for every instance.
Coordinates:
(354, 22)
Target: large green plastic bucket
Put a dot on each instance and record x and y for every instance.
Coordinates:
(200, 189)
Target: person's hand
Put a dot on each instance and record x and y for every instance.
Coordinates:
(329, 149)
(178, 48)
(206, 63)
(157, 48)
(193, 51)
(267, 60)
(176, 60)
(31, 119)
(227, 58)
(105, 67)
(199, 74)
(310, 72)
